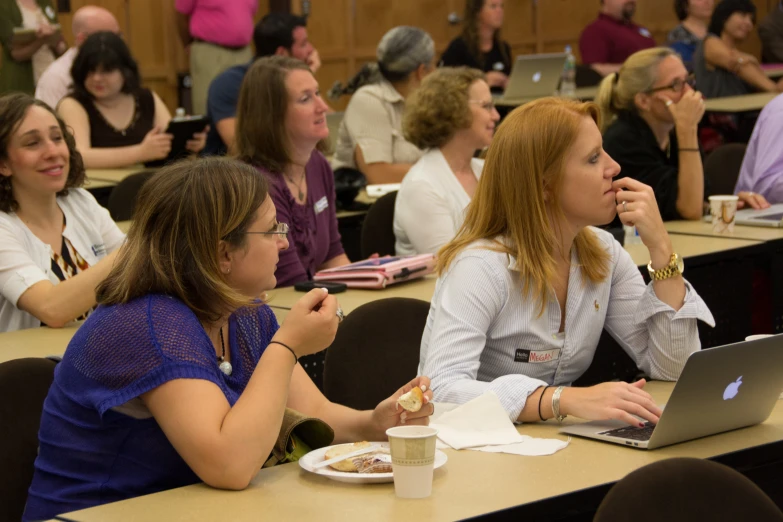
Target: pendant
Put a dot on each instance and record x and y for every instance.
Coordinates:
(226, 367)
(301, 195)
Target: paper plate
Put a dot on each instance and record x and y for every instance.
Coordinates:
(314, 457)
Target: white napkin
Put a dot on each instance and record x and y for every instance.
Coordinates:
(483, 425)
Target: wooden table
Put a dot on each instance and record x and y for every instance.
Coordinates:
(743, 103)
(40, 342)
(773, 70)
(113, 175)
(582, 93)
(470, 484)
(690, 247)
(703, 228)
(93, 183)
(35, 342)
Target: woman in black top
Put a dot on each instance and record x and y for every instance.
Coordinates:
(650, 116)
(115, 121)
(479, 46)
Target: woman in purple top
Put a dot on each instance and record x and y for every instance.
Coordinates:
(181, 375)
(281, 122)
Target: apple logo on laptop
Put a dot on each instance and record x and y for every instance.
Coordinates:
(732, 389)
(537, 77)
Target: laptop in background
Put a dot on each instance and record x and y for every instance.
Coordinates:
(535, 75)
(720, 389)
(769, 217)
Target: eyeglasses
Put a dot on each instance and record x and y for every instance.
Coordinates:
(677, 85)
(488, 106)
(280, 229)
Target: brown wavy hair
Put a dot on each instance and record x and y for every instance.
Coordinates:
(13, 110)
(440, 106)
(470, 32)
(182, 214)
(261, 137)
(525, 160)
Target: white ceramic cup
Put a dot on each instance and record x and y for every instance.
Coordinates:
(723, 210)
(758, 336)
(413, 459)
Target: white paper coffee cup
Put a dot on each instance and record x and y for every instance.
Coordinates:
(413, 459)
(723, 210)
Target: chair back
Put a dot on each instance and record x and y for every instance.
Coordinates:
(122, 200)
(687, 489)
(586, 76)
(375, 352)
(722, 167)
(378, 227)
(24, 384)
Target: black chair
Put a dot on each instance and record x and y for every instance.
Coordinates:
(378, 227)
(722, 167)
(686, 489)
(122, 200)
(586, 76)
(24, 384)
(375, 352)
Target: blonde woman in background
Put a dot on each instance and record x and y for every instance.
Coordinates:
(651, 115)
(450, 116)
(528, 285)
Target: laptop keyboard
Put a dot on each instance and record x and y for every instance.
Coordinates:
(632, 432)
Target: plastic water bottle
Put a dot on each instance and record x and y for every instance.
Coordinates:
(631, 236)
(568, 78)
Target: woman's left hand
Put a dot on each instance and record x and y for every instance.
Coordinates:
(636, 206)
(389, 414)
(198, 142)
(752, 200)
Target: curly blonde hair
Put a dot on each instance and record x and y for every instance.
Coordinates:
(439, 107)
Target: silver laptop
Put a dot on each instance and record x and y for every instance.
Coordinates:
(535, 75)
(769, 217)
(720, 389)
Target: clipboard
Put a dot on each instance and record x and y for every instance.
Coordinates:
(24, 35)
(183, 128)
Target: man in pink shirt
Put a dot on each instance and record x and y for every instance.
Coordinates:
(218, 33)
(607, 42)
(55, 82)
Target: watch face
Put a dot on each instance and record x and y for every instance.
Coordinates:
(680, 265)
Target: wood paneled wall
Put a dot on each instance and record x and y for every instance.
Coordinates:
(346, 32)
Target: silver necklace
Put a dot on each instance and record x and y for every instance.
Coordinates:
(224, 366)
(301, 195)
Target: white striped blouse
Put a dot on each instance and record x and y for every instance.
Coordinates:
(483, 334)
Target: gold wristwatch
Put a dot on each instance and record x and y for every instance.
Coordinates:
(673, 269)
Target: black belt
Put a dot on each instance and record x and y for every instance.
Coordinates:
(230, 48)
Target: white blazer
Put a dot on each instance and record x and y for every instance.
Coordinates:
(430, 205)
(26, 260)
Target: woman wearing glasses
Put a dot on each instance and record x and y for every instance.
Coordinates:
(450, 116)
(651, 115)
(181, 375)
(280, 133)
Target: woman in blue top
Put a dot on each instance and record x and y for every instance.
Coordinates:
(181, 374)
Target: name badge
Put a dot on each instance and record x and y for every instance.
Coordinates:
(99, 250)
(321, 205)
(537, 356)
(498, 66)
(644, 32)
